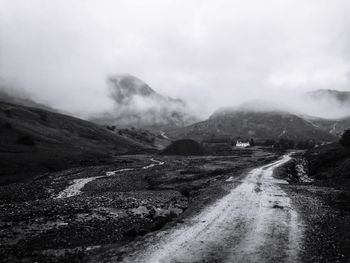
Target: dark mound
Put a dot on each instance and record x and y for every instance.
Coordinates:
(184, 147)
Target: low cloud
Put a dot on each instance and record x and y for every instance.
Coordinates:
(212, 54)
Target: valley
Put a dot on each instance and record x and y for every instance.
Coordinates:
(56, 217)
(76, 191)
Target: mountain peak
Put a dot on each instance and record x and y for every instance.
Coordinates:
(137, 104)
(123, 87)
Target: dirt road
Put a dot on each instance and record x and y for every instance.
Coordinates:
(255, 222)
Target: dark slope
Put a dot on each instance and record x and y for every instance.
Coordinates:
(335, 127)
(232, 124)
(330, 162)
(34, 140)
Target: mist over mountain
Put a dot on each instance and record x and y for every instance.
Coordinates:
(323, 103)
(340, 97)
(136, 104)
(21, 98)
(263, 106)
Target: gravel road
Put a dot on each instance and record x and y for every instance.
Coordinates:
(255, 222)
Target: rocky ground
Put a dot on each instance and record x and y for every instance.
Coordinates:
(320, 190)
(326, 213)
(69, 216)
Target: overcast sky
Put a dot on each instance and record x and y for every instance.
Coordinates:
(212, 53)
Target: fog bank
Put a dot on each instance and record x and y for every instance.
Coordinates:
(210, 53)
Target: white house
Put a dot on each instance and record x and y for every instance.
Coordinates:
(242, 144)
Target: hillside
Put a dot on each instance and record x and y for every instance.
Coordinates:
(156, 140)
(330, 162)
(136, 104)
(335, 127)
(228, 124)
(33, 140)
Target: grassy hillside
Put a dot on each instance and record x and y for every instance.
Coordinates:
(34, 140)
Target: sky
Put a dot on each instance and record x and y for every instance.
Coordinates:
(211, 53)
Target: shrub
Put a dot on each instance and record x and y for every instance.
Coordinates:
(26, 140)
(345, 138)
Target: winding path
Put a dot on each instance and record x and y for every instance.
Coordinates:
(75, 188)
(255, 222)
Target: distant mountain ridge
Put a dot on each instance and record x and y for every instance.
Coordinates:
(124, 88)
(246, 123)
(137, 104)
(335, 127)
